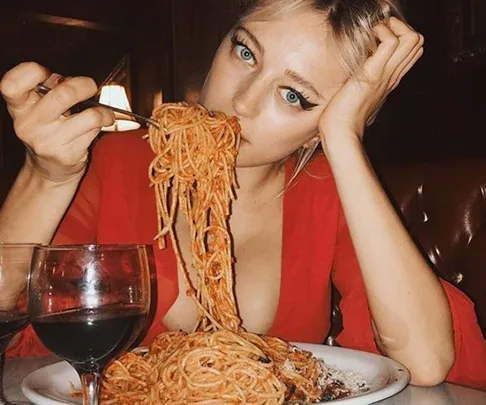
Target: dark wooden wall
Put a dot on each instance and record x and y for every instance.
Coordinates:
(436, 113)
(167, 45)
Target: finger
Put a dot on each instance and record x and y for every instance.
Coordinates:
(399, 27)
(388, 43)
(410, 43)
(64, 96)
(406, 68)
(53, 80)
(91, 119)
(17, 84)
(406, 64)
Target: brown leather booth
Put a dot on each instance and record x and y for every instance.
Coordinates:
(443, 205)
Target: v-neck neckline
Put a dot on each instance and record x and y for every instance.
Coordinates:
(168, 258)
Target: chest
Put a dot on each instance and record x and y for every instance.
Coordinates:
(257, 243)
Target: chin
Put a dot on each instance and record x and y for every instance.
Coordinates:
(244, 161)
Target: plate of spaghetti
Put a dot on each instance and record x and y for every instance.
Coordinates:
(219, 362)
(358, 378)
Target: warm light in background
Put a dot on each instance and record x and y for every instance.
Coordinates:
(115, 95)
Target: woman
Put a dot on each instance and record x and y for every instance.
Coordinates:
(297, 73)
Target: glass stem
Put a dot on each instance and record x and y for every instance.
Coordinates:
(91, 386)
(3, 401)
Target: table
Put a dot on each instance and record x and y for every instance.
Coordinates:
(444, 394)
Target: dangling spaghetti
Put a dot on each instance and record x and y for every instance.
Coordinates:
(193, 170)
(220, 363)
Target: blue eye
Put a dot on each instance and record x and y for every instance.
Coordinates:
(291, 96)
(294, 98)
(244, 53)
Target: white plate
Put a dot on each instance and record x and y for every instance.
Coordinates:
(52, 385)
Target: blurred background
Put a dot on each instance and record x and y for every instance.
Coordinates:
(160, 50)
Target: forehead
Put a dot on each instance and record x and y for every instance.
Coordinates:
(300, 41)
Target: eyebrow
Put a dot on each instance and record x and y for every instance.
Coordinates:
(299, 79)
(253, 38)
(289, 73)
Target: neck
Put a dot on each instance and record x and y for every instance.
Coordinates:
(258, 185)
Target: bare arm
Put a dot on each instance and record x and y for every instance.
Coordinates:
(410, 311)
(34, 207)
(57, 150)
(409, 308)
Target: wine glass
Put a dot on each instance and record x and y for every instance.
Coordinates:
(88, 304)
(15, 261)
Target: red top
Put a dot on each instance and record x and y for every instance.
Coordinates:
(116, 205)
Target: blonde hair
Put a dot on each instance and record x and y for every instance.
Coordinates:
(351, 23)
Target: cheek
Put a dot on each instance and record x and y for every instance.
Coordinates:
(273, 140)
(220, 83)
(286, 129)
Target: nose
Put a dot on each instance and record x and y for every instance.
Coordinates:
(248, 97)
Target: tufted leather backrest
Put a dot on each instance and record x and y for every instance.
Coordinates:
(443, 205)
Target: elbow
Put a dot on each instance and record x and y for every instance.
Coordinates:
(432, 371)
(428, 379)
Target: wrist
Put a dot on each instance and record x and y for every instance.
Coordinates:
(41, 176)
(344, 143)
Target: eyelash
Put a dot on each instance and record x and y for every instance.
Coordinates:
(238, 41)
(305, 104)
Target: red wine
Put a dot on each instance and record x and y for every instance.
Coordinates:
(11, 322)
(90, 338)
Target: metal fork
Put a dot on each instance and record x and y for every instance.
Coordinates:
(42, 90)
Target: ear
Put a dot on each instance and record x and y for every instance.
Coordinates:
(310, 143)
